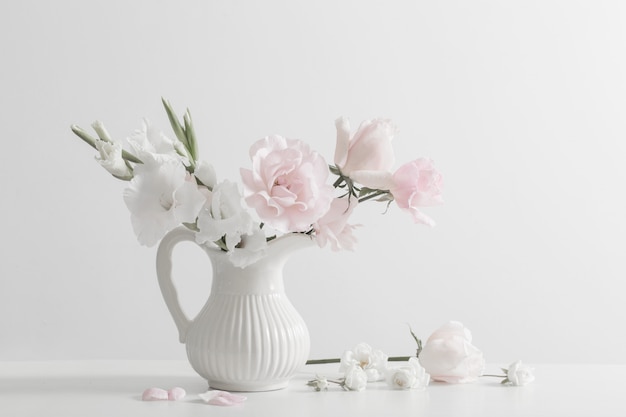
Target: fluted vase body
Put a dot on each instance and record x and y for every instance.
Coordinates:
(248, 336)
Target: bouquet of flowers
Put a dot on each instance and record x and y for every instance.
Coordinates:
(287, 189)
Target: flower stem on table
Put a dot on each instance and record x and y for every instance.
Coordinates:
(337, 360)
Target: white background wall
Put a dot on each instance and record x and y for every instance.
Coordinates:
(520, 103)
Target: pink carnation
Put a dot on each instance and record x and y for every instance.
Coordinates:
(417, 184)
(287, 184)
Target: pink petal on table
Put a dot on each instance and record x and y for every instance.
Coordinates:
(176, 393)
(223, 398)
(154, 394)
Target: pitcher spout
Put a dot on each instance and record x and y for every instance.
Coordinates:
(288, 243)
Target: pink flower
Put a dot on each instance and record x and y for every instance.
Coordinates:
(159, 394)
(449, 355)
(333, 227)
(367, 157)
(287, 184)
(417, 184)
(223, 398)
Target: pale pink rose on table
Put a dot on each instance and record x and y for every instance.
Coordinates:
(366, 157)
(333, 227)
(449, 355)
(287, 184)
(417, 184)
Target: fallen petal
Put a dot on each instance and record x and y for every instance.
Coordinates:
(223, 398)
(176, 393)
(154, 394)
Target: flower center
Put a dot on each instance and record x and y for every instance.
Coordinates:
(282, 182)
(165, 202)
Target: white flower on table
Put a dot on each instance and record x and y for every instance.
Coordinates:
(407, 377)
(320, 383)
(518, 374)
(355, 378)
(372, 361)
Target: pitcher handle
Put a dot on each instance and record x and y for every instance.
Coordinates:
(164, 275)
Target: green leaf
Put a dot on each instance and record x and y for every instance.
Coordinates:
(101, 131)
(130, 157)
(191, 136)
(84, 136)
(365, 191)
(176, 126)
(417, 341)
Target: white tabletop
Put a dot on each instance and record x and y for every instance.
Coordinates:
(113, 388)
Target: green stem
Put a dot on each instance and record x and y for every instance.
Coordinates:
(337, 360)
(373, 195)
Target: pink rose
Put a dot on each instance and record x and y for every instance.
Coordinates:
(367, 157)
(449, 355)
(333, 227)
(287, 184)
(417, 184)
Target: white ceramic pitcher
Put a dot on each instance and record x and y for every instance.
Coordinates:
(248, 336)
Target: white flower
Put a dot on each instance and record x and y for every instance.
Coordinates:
(160, 197)
(355, 378)
(319, 383)
(205, 173)
(150, 143)
(224, 216)
(373, 362)
(250, 249)
(110, 157)
(518, 374)
(407, 377)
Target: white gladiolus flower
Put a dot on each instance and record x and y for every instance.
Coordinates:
(110, 158)
(224, 216)
(250, 249)
(205, 173)
(160, 197)
(150, 143)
